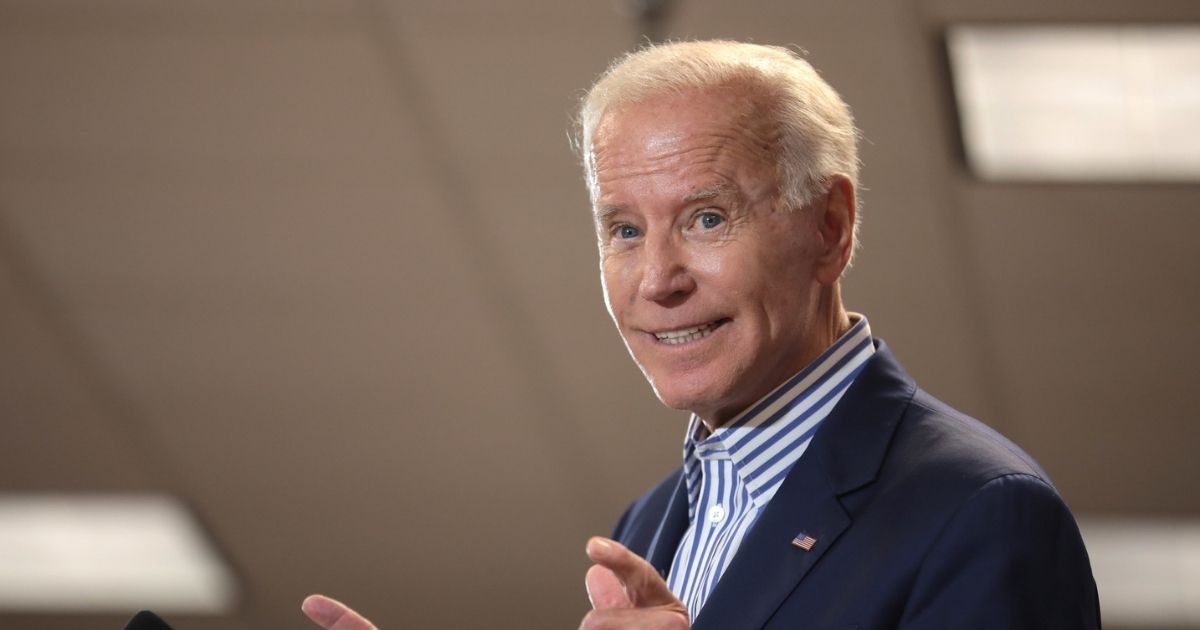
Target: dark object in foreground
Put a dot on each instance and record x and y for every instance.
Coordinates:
(146, 620)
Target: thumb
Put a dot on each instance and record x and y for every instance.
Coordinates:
(643, 586)
(331, 614)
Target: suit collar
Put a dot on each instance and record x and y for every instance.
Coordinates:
(845, 455)
(852, 443)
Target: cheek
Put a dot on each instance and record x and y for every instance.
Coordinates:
(734, 273)
(723, 265)
(614, 285)
(619, 275)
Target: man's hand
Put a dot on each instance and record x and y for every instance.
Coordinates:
(627, 593)
(333, 615)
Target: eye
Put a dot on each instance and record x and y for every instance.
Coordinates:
(627, 231)
(710, 220)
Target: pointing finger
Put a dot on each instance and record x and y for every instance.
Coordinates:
(643, 585)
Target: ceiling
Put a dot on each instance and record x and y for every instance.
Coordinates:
(325, 270)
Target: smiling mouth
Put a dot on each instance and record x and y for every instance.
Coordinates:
(686, 335)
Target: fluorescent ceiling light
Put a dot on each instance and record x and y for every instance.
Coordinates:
(1079, 102)
(1147, 570)
(103, 553)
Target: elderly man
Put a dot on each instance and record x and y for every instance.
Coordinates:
(820, 487)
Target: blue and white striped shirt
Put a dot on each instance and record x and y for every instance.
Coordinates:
(732, 474)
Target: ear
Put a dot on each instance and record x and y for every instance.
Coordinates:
(835, 216)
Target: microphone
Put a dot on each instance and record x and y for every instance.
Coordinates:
(146, 620)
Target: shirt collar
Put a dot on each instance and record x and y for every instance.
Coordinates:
(766, 439)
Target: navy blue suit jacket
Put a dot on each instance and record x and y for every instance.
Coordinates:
(923, 518)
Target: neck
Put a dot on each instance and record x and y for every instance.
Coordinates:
(830, 321)
(834, 317)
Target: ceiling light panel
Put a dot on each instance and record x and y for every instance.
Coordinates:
(1079, 103)
(105, 553)
(1147, 570)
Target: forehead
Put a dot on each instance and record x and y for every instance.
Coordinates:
(719, 130)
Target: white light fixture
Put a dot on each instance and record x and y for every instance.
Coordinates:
(104, 553)
(1147, 570)
(1079, 103)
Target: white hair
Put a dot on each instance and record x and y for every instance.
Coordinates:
(817, 135)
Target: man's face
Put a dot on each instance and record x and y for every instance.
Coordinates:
(710, 279)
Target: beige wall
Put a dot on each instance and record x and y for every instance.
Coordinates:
(326, 270)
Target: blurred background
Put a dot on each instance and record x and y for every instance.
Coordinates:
(315, 282)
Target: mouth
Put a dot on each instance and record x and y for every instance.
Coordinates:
(692, 333)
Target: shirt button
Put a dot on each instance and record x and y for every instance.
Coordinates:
(716, 514)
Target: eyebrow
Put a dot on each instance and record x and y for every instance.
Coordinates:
(704, 194)
(604, 212)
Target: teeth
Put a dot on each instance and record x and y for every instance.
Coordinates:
(675, 337)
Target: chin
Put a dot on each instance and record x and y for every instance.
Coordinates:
(683, 395)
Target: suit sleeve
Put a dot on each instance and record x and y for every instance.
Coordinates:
(1010, 557)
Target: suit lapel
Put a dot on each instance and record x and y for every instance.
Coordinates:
(767, 566)
(845, 455)
(670, 531)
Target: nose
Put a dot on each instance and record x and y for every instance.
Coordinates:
(665, 273)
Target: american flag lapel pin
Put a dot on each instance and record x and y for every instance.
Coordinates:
(804, 541)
